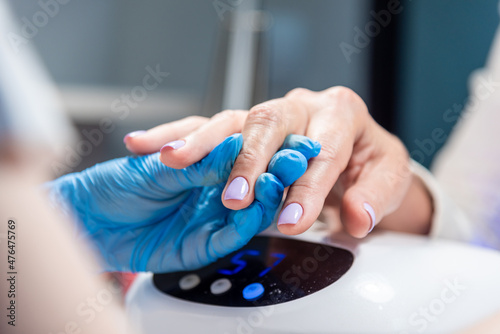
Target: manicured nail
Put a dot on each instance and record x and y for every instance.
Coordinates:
(237, 189)
(291, 214)
(173, 145)
(371, 212)
(133, 134)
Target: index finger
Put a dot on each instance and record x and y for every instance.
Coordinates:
(265, 129)
(151, 141)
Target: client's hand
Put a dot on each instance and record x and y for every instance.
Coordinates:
(142, 215)
(362, 170)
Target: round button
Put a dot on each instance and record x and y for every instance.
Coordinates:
(220, 286)
(189, 281)
(253, 291)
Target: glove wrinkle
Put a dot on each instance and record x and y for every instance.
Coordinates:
(140, 215)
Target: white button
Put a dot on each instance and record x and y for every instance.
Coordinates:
(220, 286)
(189, 281)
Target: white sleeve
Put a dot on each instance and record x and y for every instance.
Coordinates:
(448, 221)
(468, 167)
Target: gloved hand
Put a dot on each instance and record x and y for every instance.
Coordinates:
(142, 215)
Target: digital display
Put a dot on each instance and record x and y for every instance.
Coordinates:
(236, 259)
(268, 270)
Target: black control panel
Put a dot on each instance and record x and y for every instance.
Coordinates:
(268, 270)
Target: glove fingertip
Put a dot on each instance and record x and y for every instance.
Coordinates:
(242, 226)
(316, 149)
(247, 221)
(269, 190)
(236, 136)
(305, 145)
(230, 148)
(288, 165)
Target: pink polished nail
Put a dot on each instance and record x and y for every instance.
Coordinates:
(237, 189)
(133, 134)
(173, 145)
(369, 209)
(291, 214)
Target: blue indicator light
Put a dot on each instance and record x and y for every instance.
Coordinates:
(253, 291)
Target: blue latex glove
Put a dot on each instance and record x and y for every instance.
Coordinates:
(142, 215)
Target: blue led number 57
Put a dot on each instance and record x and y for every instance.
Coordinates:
(241, 264)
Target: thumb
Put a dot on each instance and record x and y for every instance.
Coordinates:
(242, 226)
(268, 192)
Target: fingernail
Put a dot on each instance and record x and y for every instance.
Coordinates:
(133, 134)
(291, 214)
(237, 189)
(173, 145)
(371, 212)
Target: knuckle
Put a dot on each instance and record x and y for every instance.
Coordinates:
(265, 114)
(234, 117)
(240, 115)
(225, 114)
(341, 92)
(298, 92)
(329, 151)
(329, 157)
(347, 97)
(306, 187)
(402, 158)
(401, 147)
(312, 188)
(196, 119)
(250, 156)
(332, 160)
(397, 147)
(344, 93)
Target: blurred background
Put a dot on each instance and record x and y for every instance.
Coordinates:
(409, 60)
